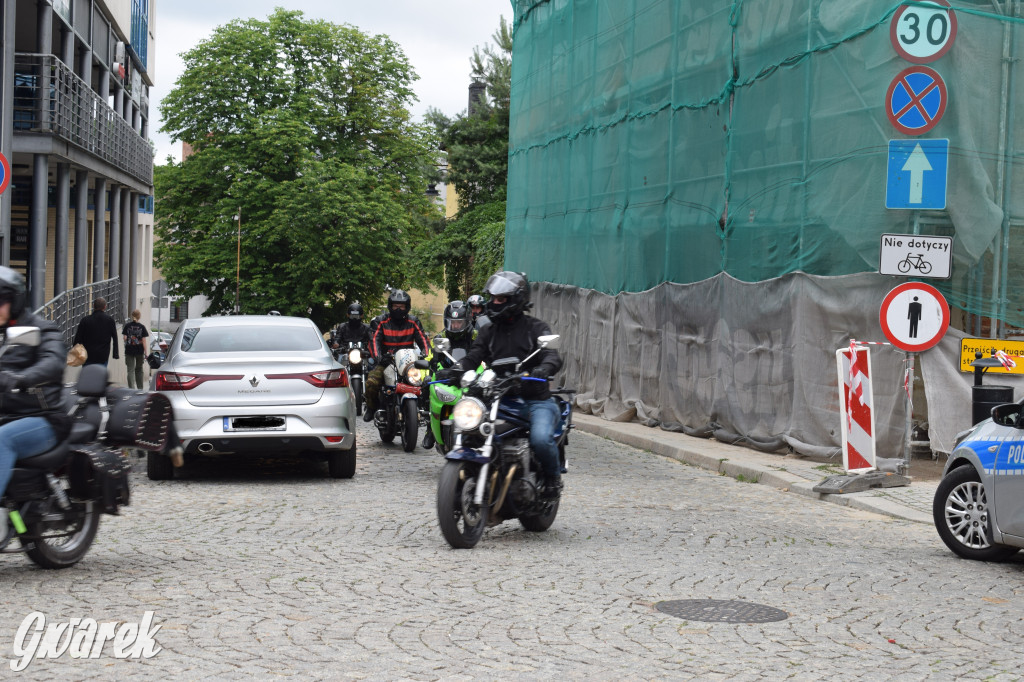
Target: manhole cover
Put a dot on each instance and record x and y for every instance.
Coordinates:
(721, 611)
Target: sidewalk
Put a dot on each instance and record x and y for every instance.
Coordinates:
(790, 473)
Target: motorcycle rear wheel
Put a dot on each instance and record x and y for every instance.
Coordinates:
(538, 523)
(387, 433)
(462, 522)
(61, 552)
(410, 425)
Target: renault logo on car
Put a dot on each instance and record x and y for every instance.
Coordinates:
(254, 381)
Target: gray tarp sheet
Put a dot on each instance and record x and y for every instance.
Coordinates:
(752, 363)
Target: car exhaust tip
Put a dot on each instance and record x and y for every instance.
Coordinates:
(205, 447)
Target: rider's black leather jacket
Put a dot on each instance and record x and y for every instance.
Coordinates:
(39, 373)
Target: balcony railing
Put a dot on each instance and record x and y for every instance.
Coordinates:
(49, 98)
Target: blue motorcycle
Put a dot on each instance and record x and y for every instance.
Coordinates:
(491, 474)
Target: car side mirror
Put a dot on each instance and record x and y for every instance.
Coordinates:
(1007, 415)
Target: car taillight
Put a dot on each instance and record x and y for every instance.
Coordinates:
(334, 378)
(173, 381)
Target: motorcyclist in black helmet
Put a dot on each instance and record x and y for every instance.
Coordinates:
(398, 330)
(353, 331)
(32, 420)
(458, 327)
(514, 333)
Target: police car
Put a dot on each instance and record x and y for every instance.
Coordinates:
(979, 505)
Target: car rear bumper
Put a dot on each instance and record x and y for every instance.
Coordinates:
(265, 445)
(202, 429)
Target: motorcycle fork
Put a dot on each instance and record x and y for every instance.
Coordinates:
(485, 451)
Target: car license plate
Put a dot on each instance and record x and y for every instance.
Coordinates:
(254, 423)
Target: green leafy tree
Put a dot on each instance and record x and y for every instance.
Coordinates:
(305, 163)
(472, 244)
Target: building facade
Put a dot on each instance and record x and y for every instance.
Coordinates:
(75, 79)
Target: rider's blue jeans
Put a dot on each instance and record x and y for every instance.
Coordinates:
(543, 418)
(20, 439)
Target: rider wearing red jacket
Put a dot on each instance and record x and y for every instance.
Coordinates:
(399, 330)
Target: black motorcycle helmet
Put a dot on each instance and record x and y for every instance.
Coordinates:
(355, 313)
(12, 290)
(514, 287)
(401, 313)
(457, 320)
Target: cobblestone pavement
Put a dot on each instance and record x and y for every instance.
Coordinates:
(275, 571)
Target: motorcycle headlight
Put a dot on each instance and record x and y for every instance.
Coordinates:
(414, 376)
(354, 356)
(468, 413)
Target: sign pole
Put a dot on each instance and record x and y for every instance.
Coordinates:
(908, 404)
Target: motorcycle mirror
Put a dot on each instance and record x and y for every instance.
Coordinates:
(548, 341)
(23, 336)
(442, 344)
(421, 364)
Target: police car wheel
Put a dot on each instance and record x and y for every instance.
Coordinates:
(961, 514)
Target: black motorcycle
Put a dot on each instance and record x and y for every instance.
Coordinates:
(492, 475)
(54, 499)
(355, 358)
(399, 401)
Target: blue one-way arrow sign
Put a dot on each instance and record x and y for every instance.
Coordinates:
(917, 174)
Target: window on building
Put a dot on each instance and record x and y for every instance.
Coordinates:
(140, 30)
(179, 311)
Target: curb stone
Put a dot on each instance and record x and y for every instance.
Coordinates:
(785, 474)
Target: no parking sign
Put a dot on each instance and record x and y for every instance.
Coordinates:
(5, 173)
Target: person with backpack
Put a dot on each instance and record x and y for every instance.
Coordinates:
(135, 334)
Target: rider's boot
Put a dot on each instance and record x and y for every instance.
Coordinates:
(552, 487)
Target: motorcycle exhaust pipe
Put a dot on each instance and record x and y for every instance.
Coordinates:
(205, 447)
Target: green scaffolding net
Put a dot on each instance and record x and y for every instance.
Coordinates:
(662, 141)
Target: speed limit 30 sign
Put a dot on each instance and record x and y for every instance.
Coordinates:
(924, 31)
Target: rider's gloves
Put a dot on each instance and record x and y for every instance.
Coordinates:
(540, 372)
(448, 374)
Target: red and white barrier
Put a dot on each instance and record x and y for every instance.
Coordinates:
(856, 402)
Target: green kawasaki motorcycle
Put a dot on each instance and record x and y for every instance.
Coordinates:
(443, 396)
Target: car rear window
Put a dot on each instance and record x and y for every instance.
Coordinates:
(248, 339)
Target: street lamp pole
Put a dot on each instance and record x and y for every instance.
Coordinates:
(238, 259)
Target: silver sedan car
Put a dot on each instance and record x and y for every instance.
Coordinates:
(261, 385)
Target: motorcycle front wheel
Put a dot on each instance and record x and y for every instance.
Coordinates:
(60, 544)
(410, 425)
(357, 390)
(462, 522)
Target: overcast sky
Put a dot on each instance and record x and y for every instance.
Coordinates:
(437, 36)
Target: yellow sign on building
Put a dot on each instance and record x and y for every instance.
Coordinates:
(988, 348)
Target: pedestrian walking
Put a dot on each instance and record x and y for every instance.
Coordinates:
(96, 332)
(135, 334)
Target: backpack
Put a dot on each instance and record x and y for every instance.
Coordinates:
(133, 335)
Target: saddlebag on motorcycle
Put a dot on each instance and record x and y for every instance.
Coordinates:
(100, 473)
(138, 419)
